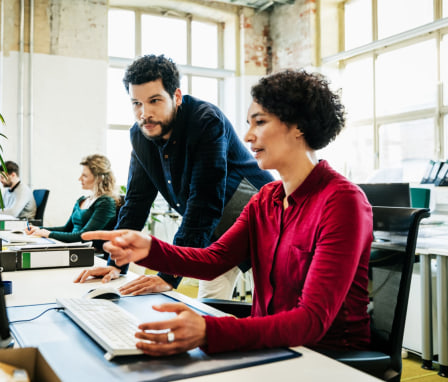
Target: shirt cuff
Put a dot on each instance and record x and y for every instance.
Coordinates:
(170, 279)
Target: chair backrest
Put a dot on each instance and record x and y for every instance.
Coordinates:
(387, 194)
(391, 278)
(41, 198)
(98, 244)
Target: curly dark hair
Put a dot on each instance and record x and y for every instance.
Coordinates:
(298, 97)
(150, 68)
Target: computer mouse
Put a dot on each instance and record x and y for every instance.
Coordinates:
(106, 292)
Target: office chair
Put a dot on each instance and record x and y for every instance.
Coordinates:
(389, 294)
(41, 198)
(391, 281)
(98, 244)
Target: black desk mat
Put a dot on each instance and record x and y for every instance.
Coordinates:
(74, 356)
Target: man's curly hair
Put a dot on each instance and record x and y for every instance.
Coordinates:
(298, 97)
(150, 68)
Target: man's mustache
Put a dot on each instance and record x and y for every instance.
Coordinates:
(148, 121)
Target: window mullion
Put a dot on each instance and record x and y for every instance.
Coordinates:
(138, 33)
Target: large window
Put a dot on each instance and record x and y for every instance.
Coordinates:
(195, 45)
(393, 64)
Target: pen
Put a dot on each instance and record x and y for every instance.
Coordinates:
(28, 225)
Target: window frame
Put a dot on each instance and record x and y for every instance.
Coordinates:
(221, 74)
(435, 30)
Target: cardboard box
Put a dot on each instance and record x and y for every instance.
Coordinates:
(32, 361)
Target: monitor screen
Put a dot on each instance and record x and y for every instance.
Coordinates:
(387, 194)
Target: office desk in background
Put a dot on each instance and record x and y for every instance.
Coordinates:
(433, 242)
(43, 286)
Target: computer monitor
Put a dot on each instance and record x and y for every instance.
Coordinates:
(5, 335)
(387, 194)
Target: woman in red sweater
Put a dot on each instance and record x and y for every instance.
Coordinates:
(308, 236)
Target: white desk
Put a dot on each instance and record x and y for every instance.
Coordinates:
(433, 241)
(42, 286)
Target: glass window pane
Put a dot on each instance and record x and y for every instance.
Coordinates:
(205, 89)
(184, 84)
(165, 35)
(119, 110)
(119, 154)
(444, 66)
(407, 146)
(351, 153)
(395, 16)
(445, 133)
(204, 44)
(357, 93)
(405, 87)
(358, 23)
(121, 37)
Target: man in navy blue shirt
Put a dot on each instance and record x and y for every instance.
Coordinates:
(187, 150)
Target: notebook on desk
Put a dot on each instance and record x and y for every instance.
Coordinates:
(15, 238)
(61, 341)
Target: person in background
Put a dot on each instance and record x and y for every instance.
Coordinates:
(307, 235)
(17, 197)
(93, 212)
(187, 150)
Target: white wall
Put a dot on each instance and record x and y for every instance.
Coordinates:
(69, 103)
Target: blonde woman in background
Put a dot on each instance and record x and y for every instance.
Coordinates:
(93, 212)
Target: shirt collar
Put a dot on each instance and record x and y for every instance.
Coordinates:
(14, 187)
(310, 184)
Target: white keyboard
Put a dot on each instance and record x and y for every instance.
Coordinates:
(112, 327)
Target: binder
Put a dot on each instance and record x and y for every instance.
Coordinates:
(54, 258)
(8, 260)
(12, 224)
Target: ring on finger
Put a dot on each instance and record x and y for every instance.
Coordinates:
(170, 336)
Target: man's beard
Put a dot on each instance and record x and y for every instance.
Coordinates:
(166, 126)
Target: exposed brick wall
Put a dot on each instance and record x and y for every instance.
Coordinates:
(293, 34)
(61, 27)
(256, 40)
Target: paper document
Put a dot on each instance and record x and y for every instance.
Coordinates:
(7, 217)
(13, 237)
(54, 244)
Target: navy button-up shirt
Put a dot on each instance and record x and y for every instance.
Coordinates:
(197, 171)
